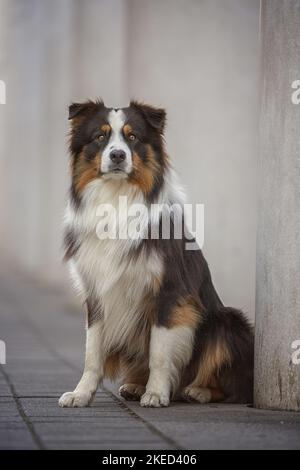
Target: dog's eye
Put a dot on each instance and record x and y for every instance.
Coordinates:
(131, 137)
(101, 137)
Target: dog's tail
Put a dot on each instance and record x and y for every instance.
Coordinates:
(227, 353)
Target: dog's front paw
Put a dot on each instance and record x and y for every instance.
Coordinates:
(155, 400)
(75, 399)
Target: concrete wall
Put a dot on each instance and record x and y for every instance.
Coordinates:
(277, 375)
(199, 59)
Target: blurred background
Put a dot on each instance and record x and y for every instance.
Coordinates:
(197, 58)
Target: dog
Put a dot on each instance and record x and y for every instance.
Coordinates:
(154, 318)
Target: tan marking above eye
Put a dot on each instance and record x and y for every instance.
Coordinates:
(128, 132)
(105, 128)
(127, 129)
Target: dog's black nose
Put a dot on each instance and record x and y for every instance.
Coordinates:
(117, 156)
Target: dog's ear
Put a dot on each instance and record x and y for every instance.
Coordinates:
(75, 109)
(156, 117)
(82, 109)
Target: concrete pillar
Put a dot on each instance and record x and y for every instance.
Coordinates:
(277, 368)
(20, 154)
(3, 78)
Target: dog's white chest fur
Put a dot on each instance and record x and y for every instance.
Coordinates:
(105, 271)
(120, 285)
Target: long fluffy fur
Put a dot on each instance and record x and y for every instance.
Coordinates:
(159, 322)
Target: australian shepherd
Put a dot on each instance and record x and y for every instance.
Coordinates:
(154, 318)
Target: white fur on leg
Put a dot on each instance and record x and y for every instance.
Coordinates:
(170, 351)
(93, 371)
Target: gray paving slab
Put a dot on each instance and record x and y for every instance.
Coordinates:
(45, 345)
(45, 360)
(16, 437)
(4, 388)
(222, 426)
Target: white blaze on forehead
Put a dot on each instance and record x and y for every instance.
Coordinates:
(116, 120)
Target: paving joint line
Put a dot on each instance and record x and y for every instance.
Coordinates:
(45, 343)
(123, 405)
(36, 438)
(150, 426)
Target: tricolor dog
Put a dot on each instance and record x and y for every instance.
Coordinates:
(154, 319)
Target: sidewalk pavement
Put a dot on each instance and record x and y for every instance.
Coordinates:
(44, 336)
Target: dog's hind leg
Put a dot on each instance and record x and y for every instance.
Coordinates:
(225, 367)
(202, 394)
(132, 391)
(205, 387)
(135, 374)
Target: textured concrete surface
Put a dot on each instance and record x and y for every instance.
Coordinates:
(45, 339)
(278, 247)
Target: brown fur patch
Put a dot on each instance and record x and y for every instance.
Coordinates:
(85, 171)
(112, 366)
(127, 129)
(144, 173)
(76, 121)
(216, 395)
(214, 357)
(128, 369)
(134, 371)
(186, 313)
(105, 128)
(156, 284)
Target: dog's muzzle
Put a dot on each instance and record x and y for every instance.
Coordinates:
(117, 161)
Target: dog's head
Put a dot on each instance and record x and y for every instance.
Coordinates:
(125, 143)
